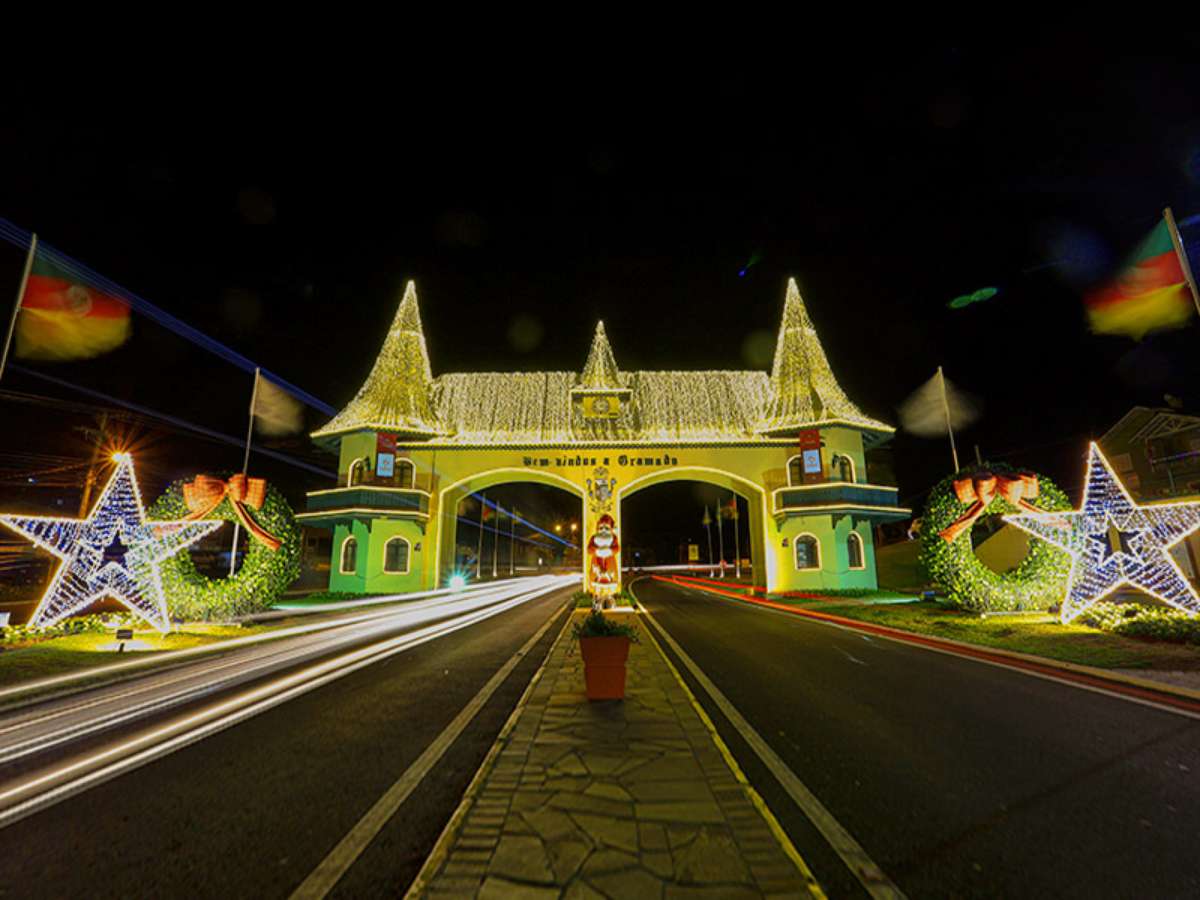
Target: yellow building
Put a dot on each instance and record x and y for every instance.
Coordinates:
(413, 446)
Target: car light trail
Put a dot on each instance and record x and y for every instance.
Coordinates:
(38, 790)
(163, 659)
(40, 732)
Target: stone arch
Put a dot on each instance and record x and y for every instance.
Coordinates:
(451, 495)
(752, 492)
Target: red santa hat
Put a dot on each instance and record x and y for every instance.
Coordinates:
(606, 519)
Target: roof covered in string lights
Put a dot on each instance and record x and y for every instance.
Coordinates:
(545, 408)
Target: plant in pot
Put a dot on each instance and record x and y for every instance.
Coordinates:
(604, 645)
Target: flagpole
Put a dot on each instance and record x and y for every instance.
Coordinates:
(708, 531)
(479, 549)
(245, 466)
(12, 324)
(496, 544)
(946, 409)
(737, 541)
(512, 543)
(1177, 240)
(721, 538)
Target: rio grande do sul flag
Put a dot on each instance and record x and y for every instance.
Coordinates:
(63, 319)
(1150, 292)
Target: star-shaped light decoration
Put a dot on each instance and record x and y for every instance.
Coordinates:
(1115, 541)
(114, 552)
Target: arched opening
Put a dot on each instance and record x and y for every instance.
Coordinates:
(405, 473)
(396, 555)
(795, 470)
(349, 556)
(844, 468)
(357, 473)
(695, 518)
(505, 524)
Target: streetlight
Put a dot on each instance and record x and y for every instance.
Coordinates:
(558, 527)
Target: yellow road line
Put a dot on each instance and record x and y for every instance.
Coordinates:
(785, 842)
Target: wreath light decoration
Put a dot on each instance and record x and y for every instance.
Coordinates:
(949, 559)
(272, 560)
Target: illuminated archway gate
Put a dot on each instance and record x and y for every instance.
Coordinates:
(412, 446)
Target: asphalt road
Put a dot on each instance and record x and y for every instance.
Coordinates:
(251, 811)
(957, 778)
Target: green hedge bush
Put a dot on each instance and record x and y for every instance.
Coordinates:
(1137, 620)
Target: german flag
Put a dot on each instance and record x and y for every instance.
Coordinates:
(62, 319)
(1149, 293)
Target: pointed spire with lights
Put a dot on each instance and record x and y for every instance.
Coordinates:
(600, 372)
(804, 390)
(397, 395)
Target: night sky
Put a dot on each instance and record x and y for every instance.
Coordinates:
(527, 206)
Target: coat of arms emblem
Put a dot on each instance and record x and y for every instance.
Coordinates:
(600, 489)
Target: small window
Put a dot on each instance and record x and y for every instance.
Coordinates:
(395, 556)
(854, 550)
(808, 552)
(846, 468)
(359, 472)
(404, 473)
(796, 470)
(350, 556)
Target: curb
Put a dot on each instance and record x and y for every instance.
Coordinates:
(1171, 696)
(441, 847)
(785, 842)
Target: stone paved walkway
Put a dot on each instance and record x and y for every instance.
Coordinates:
(611, 799)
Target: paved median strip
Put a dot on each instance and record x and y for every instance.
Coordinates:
(623, 798)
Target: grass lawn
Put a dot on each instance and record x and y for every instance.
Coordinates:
(1033, 633)
(84, 651)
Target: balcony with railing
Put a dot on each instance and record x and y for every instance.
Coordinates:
(869, 501)
(328, 507)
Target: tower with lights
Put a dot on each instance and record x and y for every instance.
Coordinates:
(412, 446)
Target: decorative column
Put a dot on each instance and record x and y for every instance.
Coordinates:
(600, 534)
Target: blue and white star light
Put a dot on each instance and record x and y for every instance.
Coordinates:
(114, 552)
(1114, 541)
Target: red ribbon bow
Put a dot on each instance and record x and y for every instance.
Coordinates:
(205, 494)
(980, 489)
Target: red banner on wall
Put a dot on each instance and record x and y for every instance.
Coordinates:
(810, 453)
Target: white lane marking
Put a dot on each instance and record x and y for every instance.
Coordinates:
(1008, 667)
(331, 869)
(433, 862)
(869, 875)
(851, 657)
(175, 737)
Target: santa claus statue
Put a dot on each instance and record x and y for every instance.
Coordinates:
(602, 556)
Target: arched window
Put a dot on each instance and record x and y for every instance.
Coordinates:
(404, 473)
(808, 552)
(845, 468)
(350, 556)
(854, 551)
(795, 469)
(395, 556)
(358, 471)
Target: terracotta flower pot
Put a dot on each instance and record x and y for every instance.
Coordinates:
(604, 666)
